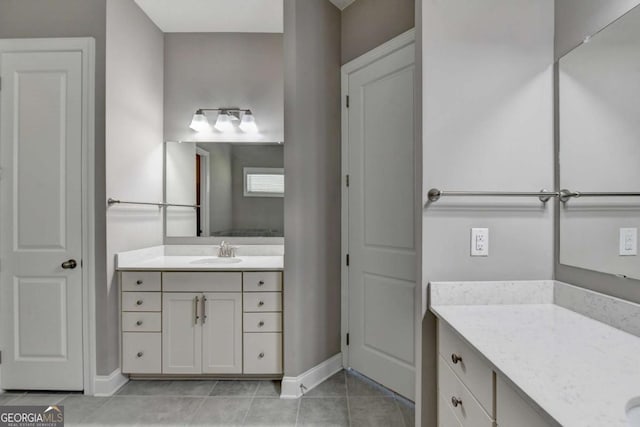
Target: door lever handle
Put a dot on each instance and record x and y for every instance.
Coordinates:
(69, 265)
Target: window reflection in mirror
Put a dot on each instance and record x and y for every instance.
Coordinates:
(236, 189)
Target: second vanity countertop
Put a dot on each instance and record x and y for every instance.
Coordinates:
(201, 258)
(579, 371)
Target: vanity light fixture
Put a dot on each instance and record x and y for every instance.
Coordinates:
(224, 120)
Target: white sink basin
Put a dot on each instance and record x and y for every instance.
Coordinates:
(633, 412)
(216, 261)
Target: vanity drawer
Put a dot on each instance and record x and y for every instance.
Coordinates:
(446, 417)
(470, 413)
(202, 282)
(262, 322)
(141, 281)
(141, 301)
(139, 321)
(262, 301)
(262, 353)
(141, 353)
(262, 282)
(470, 368)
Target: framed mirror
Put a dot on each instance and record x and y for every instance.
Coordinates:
(599, 150)
(226, 190)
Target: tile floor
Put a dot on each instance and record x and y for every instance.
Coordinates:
(346, 399)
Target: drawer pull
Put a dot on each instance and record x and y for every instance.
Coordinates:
(261, 323)
(139, 323)
(140, 354)
(139, 302)
(139, 282)
(260, 303)
(455, 358)
(261, 283)
(455, 402)
(261, 355)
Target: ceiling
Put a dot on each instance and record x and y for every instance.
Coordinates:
(225, 16)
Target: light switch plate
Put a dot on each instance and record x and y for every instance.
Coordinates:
(479, 242)
(628, 241)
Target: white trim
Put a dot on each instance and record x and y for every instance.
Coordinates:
(86, 45)
(292, 386)
(108, 385)
(373, 55)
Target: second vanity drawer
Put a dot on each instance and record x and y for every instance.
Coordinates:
(267, 281)
(262, 301)
(141, 281)
(468, 366)
(446, 417)
(141, 353)
(262, 322)
(141, 301)
(469, 412)
(138, 321)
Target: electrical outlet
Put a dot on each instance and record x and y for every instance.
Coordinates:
(628, 241)
(479, 242)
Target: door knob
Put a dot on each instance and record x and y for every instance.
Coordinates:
(69, 265)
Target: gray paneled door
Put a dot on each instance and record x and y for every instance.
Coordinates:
(381, 217)
(41, 124)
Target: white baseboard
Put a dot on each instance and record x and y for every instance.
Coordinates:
(292, 387)
(108, 385)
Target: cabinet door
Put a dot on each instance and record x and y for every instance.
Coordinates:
(222, 333)
(181, 333)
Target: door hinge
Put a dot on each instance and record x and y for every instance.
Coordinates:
(347, 101)
(0, 357)
(347, 338)
(347, 180)
(347, 260)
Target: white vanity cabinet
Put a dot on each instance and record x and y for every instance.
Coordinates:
(196, 323)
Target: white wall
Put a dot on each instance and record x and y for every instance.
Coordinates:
(180, 188)
(134, 119)
(487, 90)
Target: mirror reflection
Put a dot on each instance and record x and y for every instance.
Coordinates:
(237, 189)
(599, 110)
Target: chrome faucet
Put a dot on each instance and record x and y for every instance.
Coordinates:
(226, 251)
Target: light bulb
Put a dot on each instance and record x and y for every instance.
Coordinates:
(248, 123)
(223, 123)
(199, 123)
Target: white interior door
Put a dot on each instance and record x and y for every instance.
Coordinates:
(41, 220)
(381, 217)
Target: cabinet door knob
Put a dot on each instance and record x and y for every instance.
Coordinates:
(261, 323)
(455, 358)
(260, 303)
(261, 282)
(138, 282)
(140, 354)
(455, 401)
(139, 302)
(139, 323)
(261, 355)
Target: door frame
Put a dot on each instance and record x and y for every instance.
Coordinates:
(346, 70)
(205, 177)
(86, 46)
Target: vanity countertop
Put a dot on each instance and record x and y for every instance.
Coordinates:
(201, 258)
(578, 370)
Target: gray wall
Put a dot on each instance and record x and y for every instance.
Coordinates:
(75, 18)
(312, 182)
(256, 212)
(367, 24)
(487, 125)
(223, 70)
(134, 109)
(576, 19)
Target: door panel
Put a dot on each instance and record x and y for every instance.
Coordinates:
(181, 333)
(382, 209)
(41, 123)
(222, 333)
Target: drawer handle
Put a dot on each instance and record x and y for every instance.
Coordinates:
(140, 354)
(261, 323)
(139, 282)
(260, 303)
(139, 302)
(455, 402)
(261, 282)
(139, 323)
(261, 355)
(455, 358)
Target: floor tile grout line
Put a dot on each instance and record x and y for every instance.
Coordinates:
(395, 401)
(346, 390)
(298, 411)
